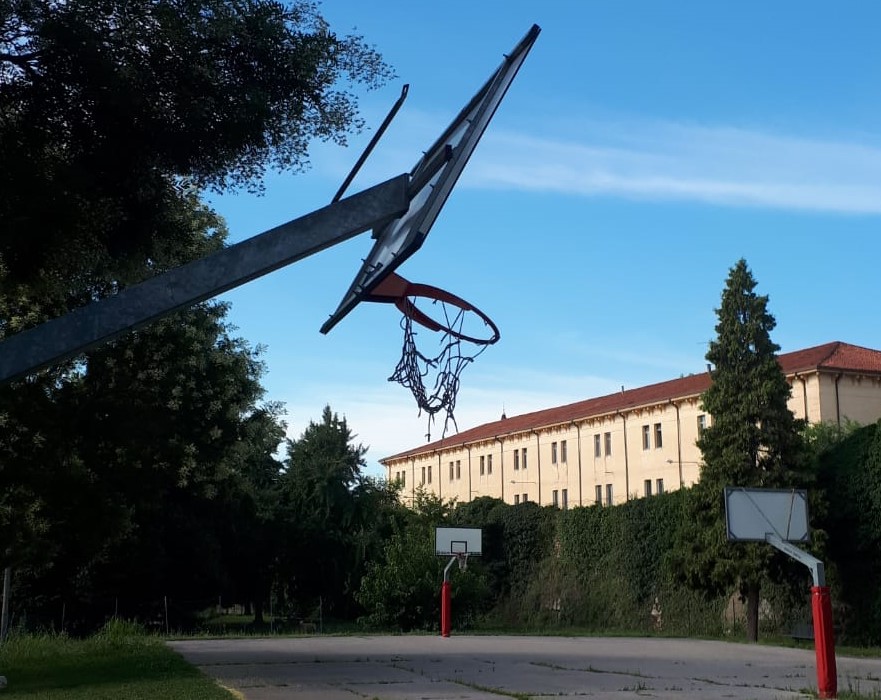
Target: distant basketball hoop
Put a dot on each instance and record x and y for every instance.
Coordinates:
(458, 543)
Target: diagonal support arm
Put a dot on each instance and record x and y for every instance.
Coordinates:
(67, 336)
(818, 569)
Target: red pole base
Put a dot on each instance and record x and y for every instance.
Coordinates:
(824, 642)
(445, 609)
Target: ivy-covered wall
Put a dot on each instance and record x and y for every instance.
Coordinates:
(850, 478)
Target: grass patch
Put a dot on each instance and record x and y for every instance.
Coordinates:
(118, 662)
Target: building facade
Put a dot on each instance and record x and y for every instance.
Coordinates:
(631, 444)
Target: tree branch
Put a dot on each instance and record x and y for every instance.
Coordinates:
(23, 61)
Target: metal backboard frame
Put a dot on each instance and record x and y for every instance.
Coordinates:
(450, 541)
(431, 181)
(753, 514)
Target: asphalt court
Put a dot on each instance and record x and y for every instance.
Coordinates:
(487, 668)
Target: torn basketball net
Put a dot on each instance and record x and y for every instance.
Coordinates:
(433, 379)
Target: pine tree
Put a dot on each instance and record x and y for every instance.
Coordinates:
(754, 441)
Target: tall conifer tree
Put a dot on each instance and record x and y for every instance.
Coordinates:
(754, 441)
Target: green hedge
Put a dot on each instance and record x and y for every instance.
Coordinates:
(850, 475)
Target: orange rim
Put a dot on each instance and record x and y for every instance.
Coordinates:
(396, 290)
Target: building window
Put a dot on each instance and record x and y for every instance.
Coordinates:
(423, 476)
(609, 494)
(646, 438)
(458, 468)
(403, 478)
(563, 451)
(659, 440)
(452, 472)
(597, 446)
(647, 484)
(482, 465)
(598, 499)
(608, 437)
(701, 423)
(553, 453)
(525, 498)
(516, 498)
(555, 498)
(489, 464)
(516, 459)
(565, 499)
(523, 458)
(429, 473)
(659, 483)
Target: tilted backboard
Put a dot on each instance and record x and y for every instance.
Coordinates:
(431, 181)
(751, 514)
(458, 540)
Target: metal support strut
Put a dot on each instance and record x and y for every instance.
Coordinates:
(446, 616)
(821, 607)
(101, 321)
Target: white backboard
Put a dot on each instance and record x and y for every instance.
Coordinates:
(458, 540)
(750, 514)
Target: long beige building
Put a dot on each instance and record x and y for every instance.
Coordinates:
(626, 445)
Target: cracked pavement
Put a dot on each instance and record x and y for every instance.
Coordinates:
(493, 667)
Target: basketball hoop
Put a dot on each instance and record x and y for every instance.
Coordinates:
(463, 561)
(457, 321)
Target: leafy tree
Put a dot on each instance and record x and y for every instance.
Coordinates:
(114, 115)
(401, 589)
(334, 516)
(162, 431)
(249, 524)
(754, 441)
(850, 474)
(33, 451)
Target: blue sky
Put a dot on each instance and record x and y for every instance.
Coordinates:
(642, 150)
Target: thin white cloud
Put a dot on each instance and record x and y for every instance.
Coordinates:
(658, 161)
(724, 166)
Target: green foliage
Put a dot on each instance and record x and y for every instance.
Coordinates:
(157, 441)
(850, 473)
(754, 438)
(148, 465)
(820, 438)
(401, 589)
(334, 518)
(112, 114)
(488, 514)
(617, 556)
(529, 533)
(602, 569)
(754, 441)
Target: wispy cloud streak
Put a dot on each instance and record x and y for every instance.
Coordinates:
(657, 161)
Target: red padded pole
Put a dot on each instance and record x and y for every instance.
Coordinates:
(824, 642)
(445, 609)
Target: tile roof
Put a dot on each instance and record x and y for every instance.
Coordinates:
(835, 356)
